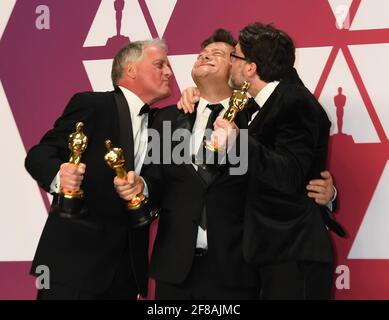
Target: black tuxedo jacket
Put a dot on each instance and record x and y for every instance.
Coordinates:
(182, 195)
(83, 253)
(287, 147)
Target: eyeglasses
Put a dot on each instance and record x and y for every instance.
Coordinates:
(234, 56)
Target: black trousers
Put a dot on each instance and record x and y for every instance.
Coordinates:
(296, 280)
(122, 287)
(201, 285)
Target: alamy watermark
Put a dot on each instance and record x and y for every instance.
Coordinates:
(342, 281)
(43, 280)
(178, 148)
(42, 21)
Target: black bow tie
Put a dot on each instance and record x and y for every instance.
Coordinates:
(144, 109)
(252, 107)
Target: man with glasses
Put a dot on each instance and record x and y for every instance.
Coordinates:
(285, 233)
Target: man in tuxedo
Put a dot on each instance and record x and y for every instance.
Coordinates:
(98, 256)
(198, 248)
(285, 233)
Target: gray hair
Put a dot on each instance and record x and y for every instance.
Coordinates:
(132, 52)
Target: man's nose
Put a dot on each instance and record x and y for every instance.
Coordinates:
(205, 56)
(168, 71)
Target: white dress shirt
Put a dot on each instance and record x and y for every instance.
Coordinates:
(139, 128)
(198, 130)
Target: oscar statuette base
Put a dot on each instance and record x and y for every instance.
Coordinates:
(70, 208)
(142, 215)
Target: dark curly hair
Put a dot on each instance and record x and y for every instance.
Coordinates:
(220, 35)
(272, 50)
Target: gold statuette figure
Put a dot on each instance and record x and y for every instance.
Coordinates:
(236, 104)
(115, 159)
(71, 203)
(78, 142)
(141, 211)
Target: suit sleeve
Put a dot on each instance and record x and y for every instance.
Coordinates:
(284, 163)
(44, 160)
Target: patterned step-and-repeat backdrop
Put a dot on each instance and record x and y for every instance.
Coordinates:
(52, 49)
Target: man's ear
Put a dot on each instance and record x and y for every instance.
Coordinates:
(251, 69)
(130, 70)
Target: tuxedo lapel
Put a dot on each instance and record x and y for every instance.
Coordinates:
(185, 120)
(268, 108)
(126, 136)
(271, 105)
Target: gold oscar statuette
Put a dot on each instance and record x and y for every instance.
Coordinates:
(70, 203)
(237, 103)
(115, 159)
(78, 142)
(141, 212)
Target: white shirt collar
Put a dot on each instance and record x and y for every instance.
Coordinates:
(134, 102)
(265, 93)
(203, 104)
